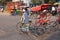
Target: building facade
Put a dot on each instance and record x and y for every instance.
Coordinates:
(27, 2)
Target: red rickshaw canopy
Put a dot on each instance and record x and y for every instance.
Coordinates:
(37, 8)
(44, 6)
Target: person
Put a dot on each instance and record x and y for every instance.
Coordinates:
(53, 10)
(27, 10)
(58, 19)
(25, 22)
(41, 15)
(40, 19)
(14, 13)
(49, 8)
(2, 10)
(48, 16)
(58, 9)
(25, 16)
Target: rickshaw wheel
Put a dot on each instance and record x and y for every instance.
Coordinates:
(54, 26)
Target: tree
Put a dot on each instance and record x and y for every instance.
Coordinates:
(2, 2)
(46, 1)
(35, 1)
(51, 1)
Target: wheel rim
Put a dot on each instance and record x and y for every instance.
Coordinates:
(18, 26)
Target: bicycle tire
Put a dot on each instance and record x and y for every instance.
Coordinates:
(18, 26)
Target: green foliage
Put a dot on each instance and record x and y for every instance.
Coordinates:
(51, 1)
(2, 2)
(18, 12)
(35, 1)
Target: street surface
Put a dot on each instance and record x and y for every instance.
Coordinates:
(8, 30)
(55, 36)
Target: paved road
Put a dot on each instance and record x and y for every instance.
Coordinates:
(55, 36)
(8, 29)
